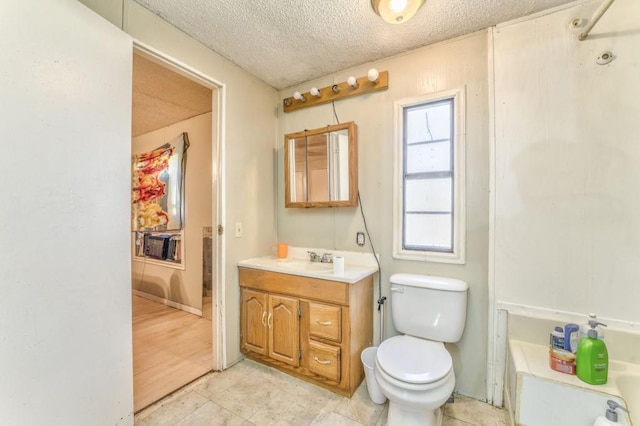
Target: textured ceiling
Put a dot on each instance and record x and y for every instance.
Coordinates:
(288, 42)
(162, 97)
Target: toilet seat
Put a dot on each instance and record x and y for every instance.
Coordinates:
(413, 360)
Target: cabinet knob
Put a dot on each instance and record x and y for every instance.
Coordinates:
(264, 323)
(323, 322)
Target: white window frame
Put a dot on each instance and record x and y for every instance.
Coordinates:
(459, 215)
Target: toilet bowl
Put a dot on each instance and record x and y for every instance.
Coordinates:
(414, 370)
(417, 377)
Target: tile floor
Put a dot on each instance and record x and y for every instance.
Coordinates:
(252, 394)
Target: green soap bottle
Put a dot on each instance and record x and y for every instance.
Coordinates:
(592, 358)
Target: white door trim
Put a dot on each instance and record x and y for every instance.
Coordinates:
(218, 196)
(495, 378)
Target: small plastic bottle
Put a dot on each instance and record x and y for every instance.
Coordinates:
(571, 338)
(557, 338)
(611, 417)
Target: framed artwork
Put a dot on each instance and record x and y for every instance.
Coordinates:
(157, 185)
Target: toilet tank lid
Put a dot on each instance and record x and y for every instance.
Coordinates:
(429, 281)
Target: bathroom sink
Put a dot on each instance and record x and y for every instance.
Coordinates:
(302, 266)
(629, 387)
(305, 265)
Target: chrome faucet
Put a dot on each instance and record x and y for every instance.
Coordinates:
(326, 258)
(315, 257)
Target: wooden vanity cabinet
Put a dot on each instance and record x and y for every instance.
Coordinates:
(274, 326)
(311, 328)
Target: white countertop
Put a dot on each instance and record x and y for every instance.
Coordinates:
(357, 265)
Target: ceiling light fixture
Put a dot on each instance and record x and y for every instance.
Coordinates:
(374, 80)
(373, 75)
(299, 96)
(396, 11)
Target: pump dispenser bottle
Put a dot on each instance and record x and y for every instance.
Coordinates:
(611, 417)
(584, 328)
(592, 358)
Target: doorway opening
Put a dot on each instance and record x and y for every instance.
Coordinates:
(177, 335)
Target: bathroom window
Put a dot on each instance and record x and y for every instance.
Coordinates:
(429, 214)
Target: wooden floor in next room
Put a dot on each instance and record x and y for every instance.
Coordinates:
(170, 349)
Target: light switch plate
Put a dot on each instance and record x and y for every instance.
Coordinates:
(238, 229)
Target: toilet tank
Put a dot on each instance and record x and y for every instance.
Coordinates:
(429, 307)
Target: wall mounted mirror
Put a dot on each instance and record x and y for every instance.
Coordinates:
(321, 167)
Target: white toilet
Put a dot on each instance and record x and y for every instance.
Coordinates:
(414, 370)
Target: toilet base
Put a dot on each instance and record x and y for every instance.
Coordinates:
(403, 416)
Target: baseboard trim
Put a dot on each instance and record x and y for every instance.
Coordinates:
(168, 302)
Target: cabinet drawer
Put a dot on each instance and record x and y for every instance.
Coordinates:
(324, 321)
(324, 360)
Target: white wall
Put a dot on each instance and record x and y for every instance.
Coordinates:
(566, 207)
(65, 307)
(567, 232)
(177, 285)
(439, 67)
(250, 129)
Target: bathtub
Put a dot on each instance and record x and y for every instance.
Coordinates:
(537, 395)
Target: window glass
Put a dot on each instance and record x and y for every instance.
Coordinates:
(428, 231)
(428, 195)
(428, 157)
(429, 121)
(428, 215)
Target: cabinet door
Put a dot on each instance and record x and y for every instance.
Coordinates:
(284, 336)
(254, 321)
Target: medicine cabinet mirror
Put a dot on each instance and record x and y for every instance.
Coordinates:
(321, 167)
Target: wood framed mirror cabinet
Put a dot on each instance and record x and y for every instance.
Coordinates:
(321, 167)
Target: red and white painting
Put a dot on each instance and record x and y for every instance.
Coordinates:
(157, 187)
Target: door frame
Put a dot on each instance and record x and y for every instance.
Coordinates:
(218, 196)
